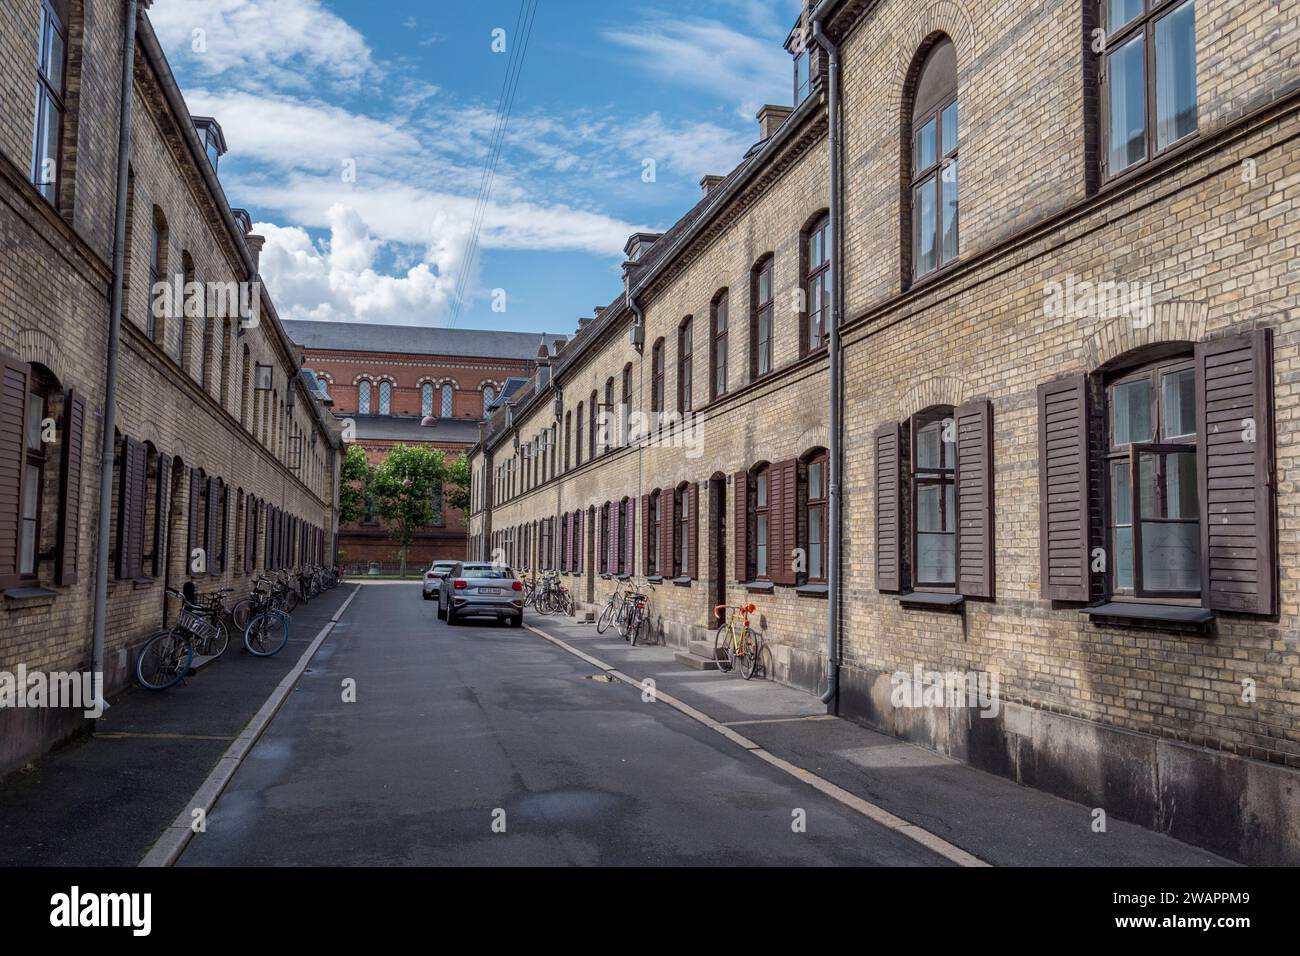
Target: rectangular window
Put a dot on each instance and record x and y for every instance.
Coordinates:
(684, 379)
(683, 533)
(51, 82)
(763, 319)
(816, 519)
(934, 499)
(720, 346)
(819, 284)
(760, 526)
(33, 482)
(1148, 71)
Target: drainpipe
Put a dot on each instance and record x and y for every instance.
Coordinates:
(114, 338)
(834, 453)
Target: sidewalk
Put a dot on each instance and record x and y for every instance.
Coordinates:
(997, 820)
(104, 800)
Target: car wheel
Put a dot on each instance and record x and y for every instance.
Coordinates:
(428, 596)
(442, 615)
(451, 617)
(517, 621)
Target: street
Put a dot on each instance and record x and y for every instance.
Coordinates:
(455, 728)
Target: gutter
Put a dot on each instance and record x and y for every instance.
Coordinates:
(835, 452)
(107, 442)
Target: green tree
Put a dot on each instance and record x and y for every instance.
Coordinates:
(403, 487)
(354, 484)
(457, 487)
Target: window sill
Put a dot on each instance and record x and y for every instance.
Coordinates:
(655, 578)
(140, 584)
(812, 590)
(682, 582)
(1152, 613)
(624, 577)
(29, 596)
(607, 577)
(931, 600)
(759, 587)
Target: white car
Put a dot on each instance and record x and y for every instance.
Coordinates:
(433, 577)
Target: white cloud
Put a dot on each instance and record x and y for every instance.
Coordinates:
(706, 54)
(294, 44)
(339, 281)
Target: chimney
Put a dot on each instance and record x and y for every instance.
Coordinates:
(708, 183)
(255, 244)
(583, 323)
(770, 118)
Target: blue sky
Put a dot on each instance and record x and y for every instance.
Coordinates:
(358, 132)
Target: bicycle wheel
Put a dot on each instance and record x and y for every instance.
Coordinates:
(749, 658)
(240, 614)
(634, 625)
(216, 646)
(290, 601)
(164, 660)
(722, 648)
(267, 633)
(566, 603)
(606, 618)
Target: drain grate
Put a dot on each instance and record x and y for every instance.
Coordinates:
(603, 677)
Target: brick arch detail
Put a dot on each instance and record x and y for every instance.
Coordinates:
(38, 347)
(936, 390)
(1169, 322)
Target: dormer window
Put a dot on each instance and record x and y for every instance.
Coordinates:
(802, 75)
(213, 140)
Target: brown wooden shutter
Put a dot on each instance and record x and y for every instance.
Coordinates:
(270, 537)
(250, 529)
(568, 541)
(15, 383)
(74, 427)
(611, 539)
(130, 510)
(645, 534)
(667, 534)
(211, 503)
(629, 536)
(1239, 568)
(782, 490)
(974, 425)
(740, 521)
(162, 506)
(1063, 488)
(889, 508)
(692, 530)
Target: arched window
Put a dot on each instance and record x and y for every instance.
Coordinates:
(592, 420)
(568, 439)
(608, 418)
(627, 402)
(657, 377)
(816, 484)
(652, 534)
(1154, 503)
(760, 335)
(934, 498)
(681, 531)
(363, 397)
(577, 437)
(685, 354)
(157, 270)
(426, 399)
(447, 392)
(718, 349)
(489, 394)
(932, 145)
(385, 398)
(604, 539)
(246, 392)
(51, 84)
(761, 529)
(817, 282)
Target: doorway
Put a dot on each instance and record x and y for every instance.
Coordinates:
(718, 539)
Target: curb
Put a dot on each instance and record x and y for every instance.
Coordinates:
(935, 844)
(173, 841)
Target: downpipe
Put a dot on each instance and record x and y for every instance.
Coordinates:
(835, 452)
(107, 449)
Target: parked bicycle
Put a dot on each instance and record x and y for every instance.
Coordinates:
(268, 625)
(167, 656)
(736, 645)
(633, 616)
(613, 610)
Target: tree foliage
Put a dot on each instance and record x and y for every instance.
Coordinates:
(354, 484)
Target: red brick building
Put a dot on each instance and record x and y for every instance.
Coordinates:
(413, 385)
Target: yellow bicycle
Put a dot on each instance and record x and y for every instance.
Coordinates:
(736, 645)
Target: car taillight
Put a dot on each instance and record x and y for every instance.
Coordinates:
(460, 584)
(518, 585)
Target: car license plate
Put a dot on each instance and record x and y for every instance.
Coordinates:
(489, 590)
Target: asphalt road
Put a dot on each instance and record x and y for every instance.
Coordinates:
(485, 745)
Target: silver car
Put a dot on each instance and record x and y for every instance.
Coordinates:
(433, 577)
(481, 589)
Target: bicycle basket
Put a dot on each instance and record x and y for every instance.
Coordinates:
(195, 625)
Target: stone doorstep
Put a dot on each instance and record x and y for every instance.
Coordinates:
(695, 661)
